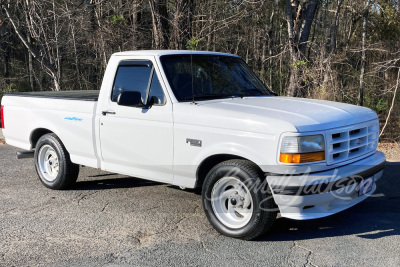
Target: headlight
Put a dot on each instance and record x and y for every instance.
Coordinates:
(301, 149)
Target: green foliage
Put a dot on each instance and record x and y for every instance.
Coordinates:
(382, 106)
(11, 88)
(326, 3)
(118, 19)
(387, 21)
(192, 43)
(299, 63)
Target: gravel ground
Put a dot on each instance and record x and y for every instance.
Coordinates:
(114, 220)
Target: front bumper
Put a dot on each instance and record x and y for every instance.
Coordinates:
(320, 194)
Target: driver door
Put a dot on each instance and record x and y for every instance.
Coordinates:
(138, 141)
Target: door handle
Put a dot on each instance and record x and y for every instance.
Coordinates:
(107, 112)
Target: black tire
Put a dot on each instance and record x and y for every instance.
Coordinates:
(67, 172)
(264, 209)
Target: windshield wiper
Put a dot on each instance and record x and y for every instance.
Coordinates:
(205, 97)
(237, 95)
(261, 93)
(253, 92)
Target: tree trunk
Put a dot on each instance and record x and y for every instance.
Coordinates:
(293, 75)
(159, 15)
(5, 51)
(210, 21)
(300, 17)
(57, 60)
(363, 52)
(30, 67)
(335, 27)
(75, 50)
(102, 43)
(393, 102)
(135, 7)
(176, 25)
(305, 33)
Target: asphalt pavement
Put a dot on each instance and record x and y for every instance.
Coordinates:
(113, 220)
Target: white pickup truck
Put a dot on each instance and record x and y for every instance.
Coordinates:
(203, 120)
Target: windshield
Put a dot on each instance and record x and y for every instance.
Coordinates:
(211, 77)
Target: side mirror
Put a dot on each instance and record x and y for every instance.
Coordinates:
(131, 99)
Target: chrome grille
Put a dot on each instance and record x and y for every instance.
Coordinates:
(352, 141)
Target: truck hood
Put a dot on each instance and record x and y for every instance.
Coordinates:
(272, 114)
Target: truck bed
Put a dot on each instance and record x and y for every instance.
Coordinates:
(68, 114)
(84, 95)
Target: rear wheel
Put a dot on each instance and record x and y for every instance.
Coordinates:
(237, 200)
(53, 165)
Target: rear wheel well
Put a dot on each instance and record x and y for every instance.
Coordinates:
(209, 163)
(36, 134)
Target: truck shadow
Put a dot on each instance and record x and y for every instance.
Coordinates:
(376, 217)
(112, 183)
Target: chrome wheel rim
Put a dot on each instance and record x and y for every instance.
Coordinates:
(231, 202)
(48, 163)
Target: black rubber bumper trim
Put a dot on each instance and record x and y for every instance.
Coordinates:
(328, 186)
(25, 154)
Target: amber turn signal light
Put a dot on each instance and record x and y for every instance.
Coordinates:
(302, 158)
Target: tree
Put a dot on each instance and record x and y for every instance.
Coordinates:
(299, 17)
(363, 51)
(334, 50)
(48, 53)
(182, 17)
(159, 17)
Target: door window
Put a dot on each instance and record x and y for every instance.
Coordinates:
(156, 94)
(140, 77)
(131, 78)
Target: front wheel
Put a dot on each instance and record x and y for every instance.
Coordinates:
(237, 200)
(53, 165)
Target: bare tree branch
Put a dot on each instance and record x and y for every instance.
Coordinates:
(392, 105)
(47, 65)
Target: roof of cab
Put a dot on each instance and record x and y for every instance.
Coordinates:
(167, 52)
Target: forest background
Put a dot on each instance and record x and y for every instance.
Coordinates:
(339, 50)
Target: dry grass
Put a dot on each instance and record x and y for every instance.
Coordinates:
(392, 131)
(391, 150)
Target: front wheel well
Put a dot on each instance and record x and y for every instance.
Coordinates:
(36, 134)
(207, 164)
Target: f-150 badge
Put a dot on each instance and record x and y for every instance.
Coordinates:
(193, 142)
